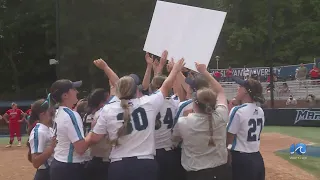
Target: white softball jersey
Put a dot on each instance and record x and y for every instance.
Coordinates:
(246, 122)
(40, 139)
(139, 140)
(69, 129)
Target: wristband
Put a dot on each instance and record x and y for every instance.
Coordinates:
(229, 146)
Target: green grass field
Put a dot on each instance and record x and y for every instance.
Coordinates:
(311, 164)
(307, 133)
(5, 140)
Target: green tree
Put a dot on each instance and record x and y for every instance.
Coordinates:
(27, 42)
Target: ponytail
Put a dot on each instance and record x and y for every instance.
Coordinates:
(209, 110)
(123, 130)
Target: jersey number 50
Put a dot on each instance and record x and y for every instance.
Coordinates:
(252, 131)
(139, 119)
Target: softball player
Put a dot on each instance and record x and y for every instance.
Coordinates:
(40, 140)
(68, 162)
(130, 124)
(113, 97)
(184, 109)
(195, 84)
(210, 116)
(14, 117)
(81, 108)
(99, 153)
(165, 155)
(244, 129)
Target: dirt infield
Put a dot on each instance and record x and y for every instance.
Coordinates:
(14, 164)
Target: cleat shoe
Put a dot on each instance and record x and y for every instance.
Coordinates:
(8, 146)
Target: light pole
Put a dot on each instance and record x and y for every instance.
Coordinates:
(270, 20)
(217, 59)
(57, 59)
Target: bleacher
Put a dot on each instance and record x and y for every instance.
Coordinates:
(299, 90)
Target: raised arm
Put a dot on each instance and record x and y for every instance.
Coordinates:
(147, 75)
(113, 77)
(162, 63)
(215, 85)
(177, 85)
(168, 83)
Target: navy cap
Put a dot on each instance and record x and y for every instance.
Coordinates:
(135, 78)
(249, 87)
(62, 86)
(197, 83)
(239, 81)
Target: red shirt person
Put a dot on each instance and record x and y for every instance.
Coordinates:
(27, 116)
(14, 117)
(229, 74)
(314, 72)
(217, 75)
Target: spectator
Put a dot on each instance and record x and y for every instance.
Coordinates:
(246, 73)
(275, 79)
(284, 89)
(311, 100)
(291, 101)
(270, 87)
(229, 74)
(217, 75)
(301, 74)
(314, 74)
(254, 75)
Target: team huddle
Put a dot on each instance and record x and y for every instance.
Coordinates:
(163, 128)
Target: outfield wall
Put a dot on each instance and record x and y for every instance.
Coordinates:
(292, 117)
(274, 117)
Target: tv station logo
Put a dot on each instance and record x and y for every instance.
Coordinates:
(299, 149)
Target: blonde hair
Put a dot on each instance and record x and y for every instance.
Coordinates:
(157, 82)
(125, 90)
(206, 99)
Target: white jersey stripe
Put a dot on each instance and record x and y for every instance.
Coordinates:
(233, 113)
(74, 122)
(70, 155)
(183, 105)
(36, 138)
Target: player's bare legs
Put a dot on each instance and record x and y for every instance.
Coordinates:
(11, 130)
(19, 141)
(18, 134)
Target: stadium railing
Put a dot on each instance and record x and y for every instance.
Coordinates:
(299, 89)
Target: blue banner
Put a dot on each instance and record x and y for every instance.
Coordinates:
(281, 71)
(238, 72)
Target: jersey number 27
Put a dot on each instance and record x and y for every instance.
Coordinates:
(252, 131)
